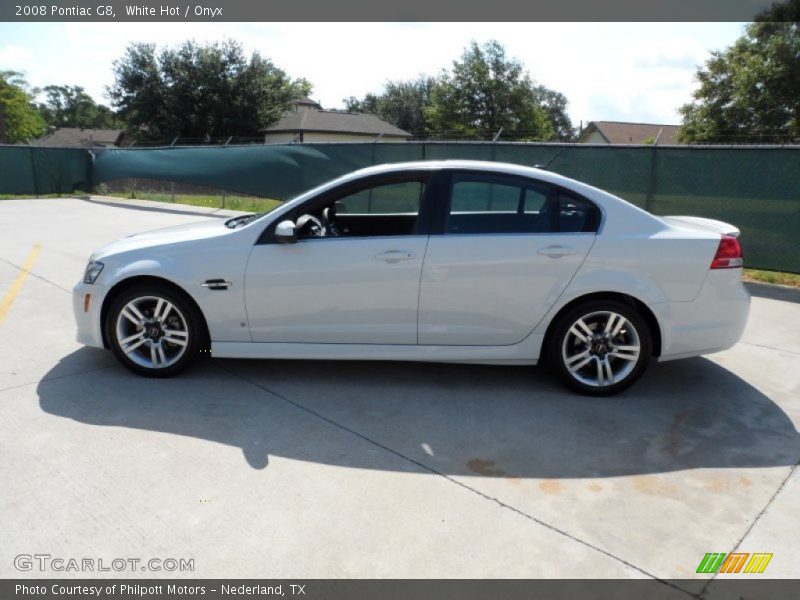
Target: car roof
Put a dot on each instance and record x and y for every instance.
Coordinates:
(472, 165)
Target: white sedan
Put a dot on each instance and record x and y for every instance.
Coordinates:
(444, 261)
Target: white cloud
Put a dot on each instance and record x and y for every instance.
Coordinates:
(12, 55)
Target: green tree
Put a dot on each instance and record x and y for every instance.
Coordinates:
(22, 120)
(750, 92)
(200, 91)
(368, 104)
(71, 106)
(486, 91)
(402, 103)
(555, 105)
(781, 11)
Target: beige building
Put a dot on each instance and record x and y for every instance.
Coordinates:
(309, 122)
(616, 132)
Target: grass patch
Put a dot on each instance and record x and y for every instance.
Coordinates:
(243, 203)
(773, 277)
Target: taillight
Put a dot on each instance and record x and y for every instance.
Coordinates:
(729, 254)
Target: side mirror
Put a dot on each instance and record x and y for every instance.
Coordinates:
(285, 232)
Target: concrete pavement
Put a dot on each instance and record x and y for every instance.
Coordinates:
(341, 469)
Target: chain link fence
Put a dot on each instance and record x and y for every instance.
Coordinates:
(757, 188)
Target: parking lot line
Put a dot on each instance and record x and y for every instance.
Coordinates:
(16, 286)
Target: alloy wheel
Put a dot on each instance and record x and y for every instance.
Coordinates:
(601, 349)
(152, 332)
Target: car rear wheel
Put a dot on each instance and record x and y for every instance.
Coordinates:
(600, 347)
(153, 331)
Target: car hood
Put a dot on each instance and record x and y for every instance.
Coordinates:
(208, 228)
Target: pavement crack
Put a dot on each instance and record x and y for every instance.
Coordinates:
(433, 471)
(32, 274)
(753, 524)
(772, 348)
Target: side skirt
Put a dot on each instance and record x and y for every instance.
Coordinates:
(524, 353)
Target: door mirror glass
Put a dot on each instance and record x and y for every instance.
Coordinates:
(285, 232)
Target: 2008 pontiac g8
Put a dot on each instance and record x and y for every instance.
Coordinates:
(446, 261)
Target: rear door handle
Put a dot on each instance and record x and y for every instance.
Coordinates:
(393, 256)
(556, 251)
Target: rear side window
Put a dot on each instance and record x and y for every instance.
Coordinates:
(576, 215)
(488, 204)
(483, 196)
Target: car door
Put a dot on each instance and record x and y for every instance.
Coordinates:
(500, 259)
(361, 287)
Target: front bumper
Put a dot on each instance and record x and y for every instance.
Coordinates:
(90, 329)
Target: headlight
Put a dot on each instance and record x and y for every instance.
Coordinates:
(92, 271)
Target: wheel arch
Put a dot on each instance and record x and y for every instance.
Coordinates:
(129, 282)
(647, 314)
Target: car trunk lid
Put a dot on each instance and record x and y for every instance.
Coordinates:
(703, 224)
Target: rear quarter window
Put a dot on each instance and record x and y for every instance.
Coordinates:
(576, 214)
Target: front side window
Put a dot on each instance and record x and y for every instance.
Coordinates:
(402, 197)
(387, 208)
(487, 204)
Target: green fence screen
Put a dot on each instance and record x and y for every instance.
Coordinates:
(40, 171)
(757, 188)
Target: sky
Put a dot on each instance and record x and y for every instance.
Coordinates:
(640, 72)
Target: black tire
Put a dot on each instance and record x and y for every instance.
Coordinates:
(563, 345)
(182, 322)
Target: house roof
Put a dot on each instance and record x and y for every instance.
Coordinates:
(335, 121)
(71, 137)
(306, 101)
(617, 132)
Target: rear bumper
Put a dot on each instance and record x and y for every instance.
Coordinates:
(713, 321)
(88, 321)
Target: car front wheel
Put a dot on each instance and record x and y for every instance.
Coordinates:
(600, 348)
(153, 331)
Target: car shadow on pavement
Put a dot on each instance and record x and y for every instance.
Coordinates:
(458, 420)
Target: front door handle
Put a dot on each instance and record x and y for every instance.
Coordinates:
(393, 256)
(556, 251)
(216, 284)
